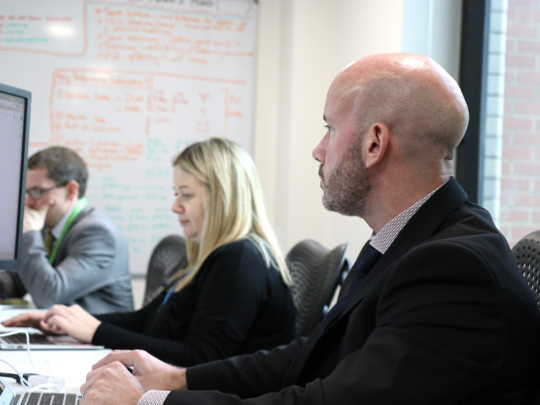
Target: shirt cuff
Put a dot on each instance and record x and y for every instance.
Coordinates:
(153, 397)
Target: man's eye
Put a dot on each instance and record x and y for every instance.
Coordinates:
(329, 128)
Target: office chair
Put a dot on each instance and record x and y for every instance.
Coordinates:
(527, 254)
(316, 272)
(167, 258)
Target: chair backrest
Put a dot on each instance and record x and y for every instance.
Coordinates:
(316, 272)
(167, 258)
(527, 254)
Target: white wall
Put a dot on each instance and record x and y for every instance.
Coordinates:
(302, 45)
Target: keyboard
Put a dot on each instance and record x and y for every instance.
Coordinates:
(21, 338)
(45, 398)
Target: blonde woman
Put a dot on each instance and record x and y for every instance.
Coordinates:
(232, 298)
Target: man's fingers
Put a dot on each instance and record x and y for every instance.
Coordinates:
(125, 357)
(44, 209)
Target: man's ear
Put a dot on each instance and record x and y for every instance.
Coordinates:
(72, 188)
(375, 144)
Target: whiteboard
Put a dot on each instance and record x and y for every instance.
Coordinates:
(127, 84)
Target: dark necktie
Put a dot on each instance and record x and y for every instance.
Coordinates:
(364, 263)
(361, 268)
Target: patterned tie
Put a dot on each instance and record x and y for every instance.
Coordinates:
(366, 261)
(49, 241)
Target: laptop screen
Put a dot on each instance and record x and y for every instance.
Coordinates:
(14, 134)
(6, 394)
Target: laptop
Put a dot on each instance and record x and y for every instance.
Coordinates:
(39, 341)
(24, 397)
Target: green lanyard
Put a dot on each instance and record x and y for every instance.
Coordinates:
(76, 211)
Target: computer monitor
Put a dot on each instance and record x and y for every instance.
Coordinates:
(14, 134)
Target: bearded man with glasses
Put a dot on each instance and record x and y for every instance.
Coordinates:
(71, 253)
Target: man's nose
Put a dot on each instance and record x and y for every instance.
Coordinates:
(318, 153)
(320, 150)
(29, 202)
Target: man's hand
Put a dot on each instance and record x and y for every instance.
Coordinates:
(34, 220)
(72, 320)
(152, 373)
(112, 384)
(26, 319)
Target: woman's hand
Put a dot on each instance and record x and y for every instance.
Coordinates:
(72, 320)
(26, 319)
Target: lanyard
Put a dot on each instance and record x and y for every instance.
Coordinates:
(76, 211)
(168, 295)
(171, 290)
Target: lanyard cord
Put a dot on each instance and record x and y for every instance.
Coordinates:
(76, 211)
(172, 288)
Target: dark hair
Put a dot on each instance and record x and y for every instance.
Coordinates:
(62, 165)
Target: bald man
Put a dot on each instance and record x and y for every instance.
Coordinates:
(440, 315)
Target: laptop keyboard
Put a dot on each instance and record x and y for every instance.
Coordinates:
(46, 398)
(21, 338)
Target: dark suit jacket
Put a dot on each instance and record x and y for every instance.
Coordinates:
(444, 317)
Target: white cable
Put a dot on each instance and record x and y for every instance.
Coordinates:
(29, 358)
(27, 335)
(21, 378)
(39, 382)
(47, 387)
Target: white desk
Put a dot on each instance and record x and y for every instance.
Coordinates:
(71, 365)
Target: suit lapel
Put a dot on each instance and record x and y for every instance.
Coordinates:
(420, 227)
(63, 243)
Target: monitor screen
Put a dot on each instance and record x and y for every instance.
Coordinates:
(14, 127)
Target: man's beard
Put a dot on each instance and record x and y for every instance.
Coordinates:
(347, 187)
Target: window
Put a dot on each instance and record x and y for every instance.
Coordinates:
(499, 161)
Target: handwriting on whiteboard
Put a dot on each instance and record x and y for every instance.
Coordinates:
(125, 112)
(128, 84)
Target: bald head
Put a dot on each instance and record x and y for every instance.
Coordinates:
(413, 96)
(393, 122)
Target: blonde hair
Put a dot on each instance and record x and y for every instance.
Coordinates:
(234, 206)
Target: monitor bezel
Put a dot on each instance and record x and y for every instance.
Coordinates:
(14, 263)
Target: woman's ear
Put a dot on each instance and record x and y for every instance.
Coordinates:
(375, 144)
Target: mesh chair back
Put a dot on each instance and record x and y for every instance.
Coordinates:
(527, 254)
(167, 258)
(316, 272)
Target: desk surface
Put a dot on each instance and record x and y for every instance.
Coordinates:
(70, 365)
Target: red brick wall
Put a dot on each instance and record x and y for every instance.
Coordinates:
(520, 187)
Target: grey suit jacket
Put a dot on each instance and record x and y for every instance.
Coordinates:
(90, 268)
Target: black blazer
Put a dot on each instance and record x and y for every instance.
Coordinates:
(444, 317)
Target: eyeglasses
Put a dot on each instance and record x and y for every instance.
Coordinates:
(36, 193)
